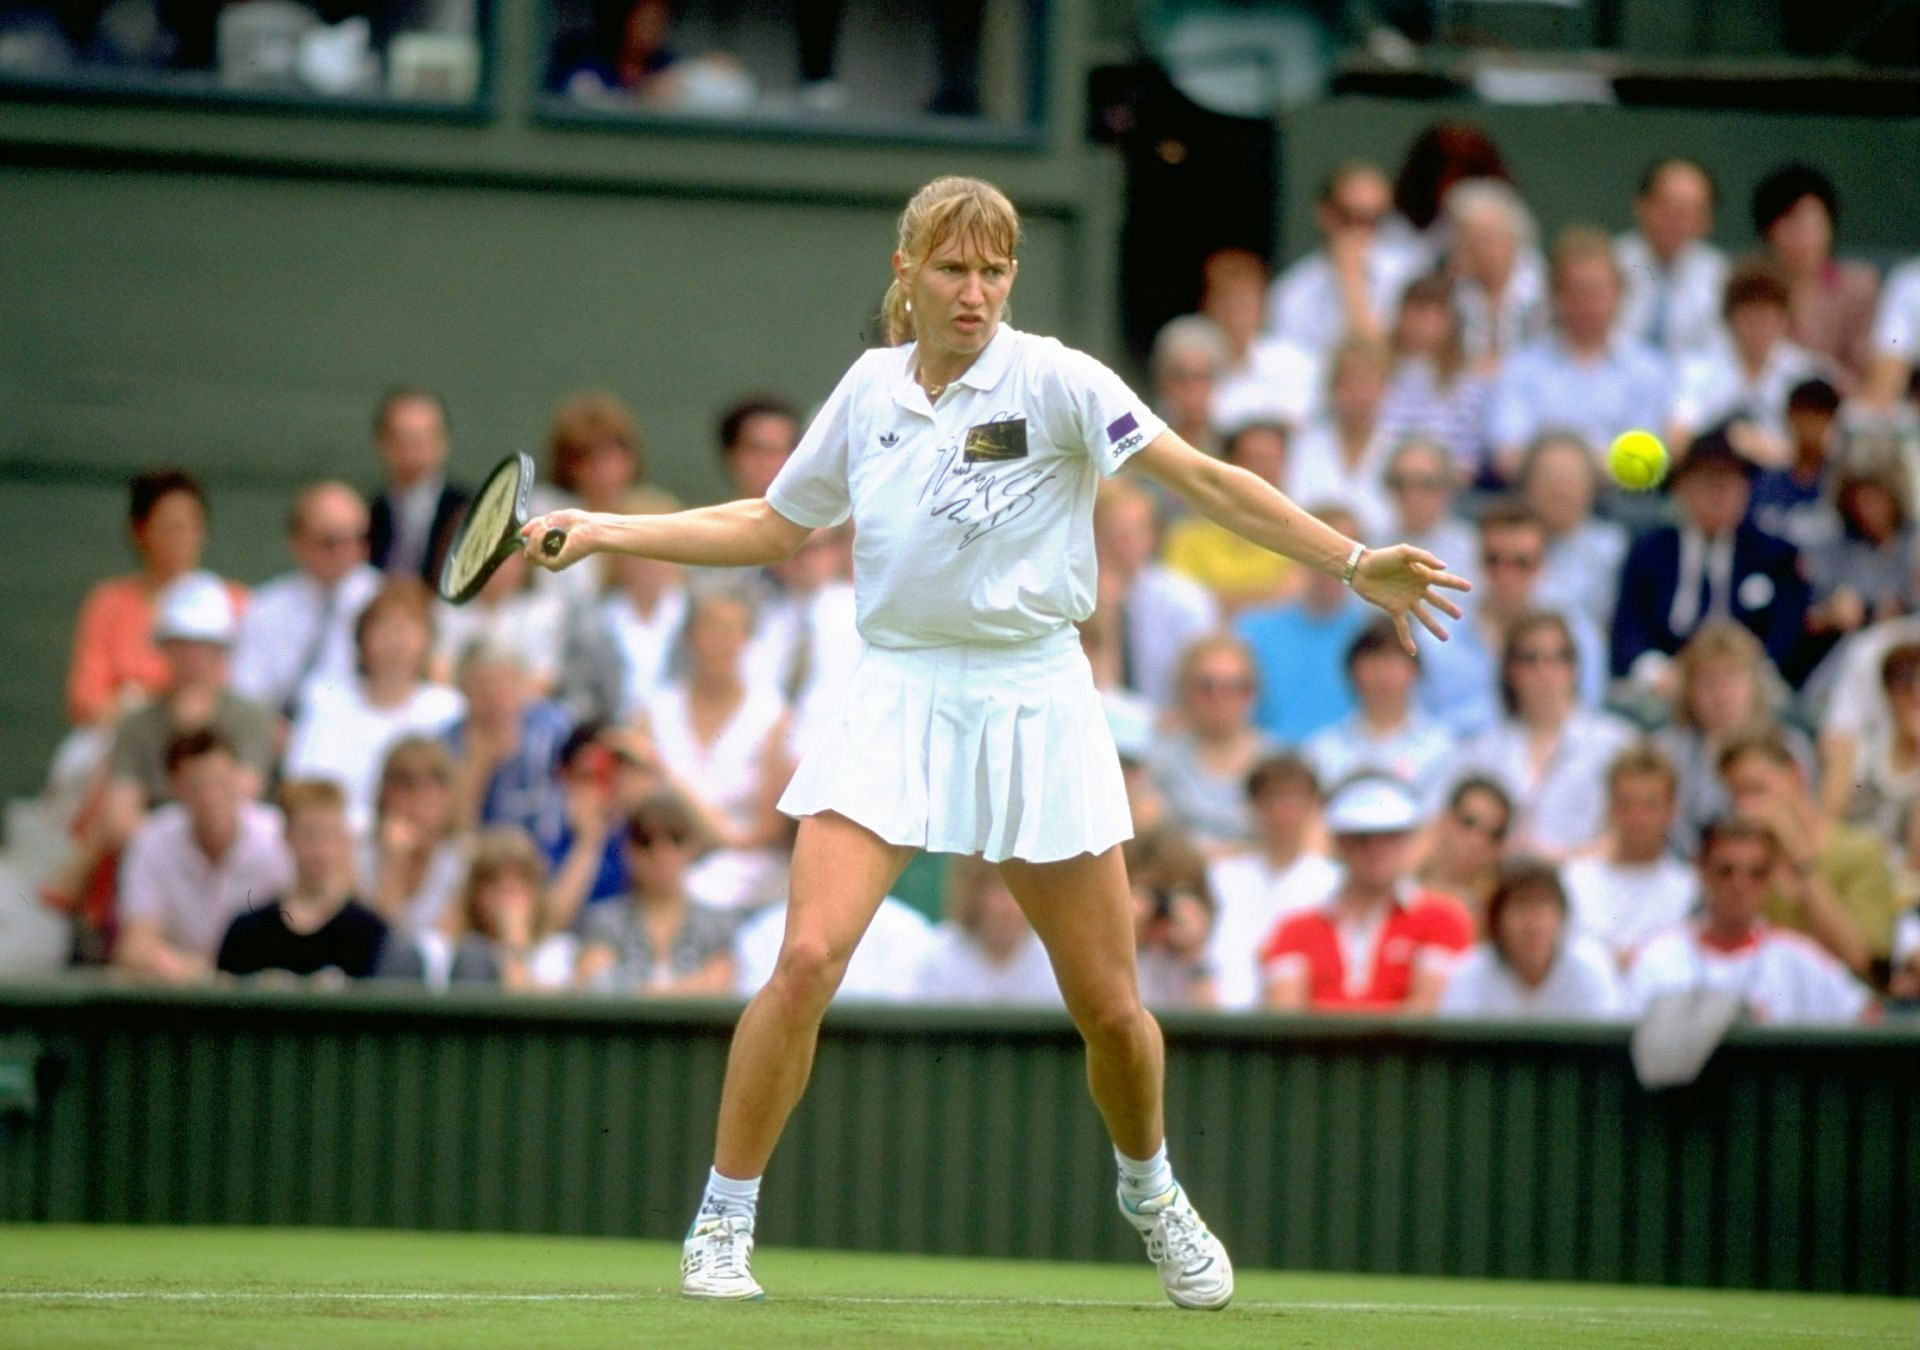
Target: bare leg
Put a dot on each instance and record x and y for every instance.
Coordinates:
(1082, 911)
(841, 873)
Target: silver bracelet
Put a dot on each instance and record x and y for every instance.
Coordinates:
(1353, 563)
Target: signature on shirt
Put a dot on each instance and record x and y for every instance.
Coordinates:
(981, 498)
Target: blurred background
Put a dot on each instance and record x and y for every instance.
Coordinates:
(249, 247)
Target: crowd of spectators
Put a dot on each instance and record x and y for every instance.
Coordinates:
(1674, 741)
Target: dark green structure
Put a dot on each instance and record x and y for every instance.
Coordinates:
(1428, 1148)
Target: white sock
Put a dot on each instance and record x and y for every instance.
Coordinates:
(726, 1197)
(1143, 1181)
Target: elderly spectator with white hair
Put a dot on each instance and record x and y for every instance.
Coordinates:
(1584, 376)
(1500, 281)
(1190, 353)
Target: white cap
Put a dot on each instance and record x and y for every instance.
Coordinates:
(1372, 804)
(195, 608)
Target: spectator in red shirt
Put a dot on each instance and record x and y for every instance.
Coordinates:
(1378, 943)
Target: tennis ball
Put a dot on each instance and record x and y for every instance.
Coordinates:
(1637, 460)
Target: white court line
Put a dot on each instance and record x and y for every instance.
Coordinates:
(466, 1296)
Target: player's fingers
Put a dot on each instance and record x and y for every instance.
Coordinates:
(1450, 581)
(1441, 603)
(1427, 621)
(1406, 633)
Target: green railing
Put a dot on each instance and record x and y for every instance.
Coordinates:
(1794, 1163)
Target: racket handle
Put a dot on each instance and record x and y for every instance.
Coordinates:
(552, 542)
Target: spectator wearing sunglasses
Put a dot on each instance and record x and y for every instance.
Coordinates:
(1834, 884)
(1202, 768)
(1466, 841)
(1550, 753)
(655, 941)
(1780, 976)
(1460, 684)
(300, 624)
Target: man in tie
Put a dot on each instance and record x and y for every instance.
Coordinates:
(1674, 277)
(1715, 563)
(413, 519)
(301, 622)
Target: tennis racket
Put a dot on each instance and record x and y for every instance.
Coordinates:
(490, 533)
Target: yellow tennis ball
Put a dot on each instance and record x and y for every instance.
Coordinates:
(1637, 460)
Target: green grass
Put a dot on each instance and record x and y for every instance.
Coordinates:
(198, 1287)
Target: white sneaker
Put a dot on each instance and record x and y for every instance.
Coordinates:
(1193, 1264)
(715, 1258)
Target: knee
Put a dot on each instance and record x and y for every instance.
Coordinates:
(808, 972)
(1113, 1020)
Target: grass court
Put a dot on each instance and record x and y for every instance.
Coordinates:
(98, 1286)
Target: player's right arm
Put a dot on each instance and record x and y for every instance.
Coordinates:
(746, 533)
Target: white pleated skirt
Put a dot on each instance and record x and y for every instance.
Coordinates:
(992, 748)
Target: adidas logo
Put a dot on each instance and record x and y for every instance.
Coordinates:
(890, 439)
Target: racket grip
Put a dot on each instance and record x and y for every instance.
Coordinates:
(552, 542)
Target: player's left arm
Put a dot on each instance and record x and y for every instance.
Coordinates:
(1401, 580)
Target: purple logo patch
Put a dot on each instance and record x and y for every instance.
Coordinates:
(1124, 426)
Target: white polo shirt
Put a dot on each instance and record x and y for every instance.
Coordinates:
(1783, 977)
(973, 517)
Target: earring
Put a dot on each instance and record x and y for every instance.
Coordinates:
(909, 306)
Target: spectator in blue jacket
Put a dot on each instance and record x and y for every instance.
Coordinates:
(1715, 563)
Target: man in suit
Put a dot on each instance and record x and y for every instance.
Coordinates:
(412, 520)
(1714, 564)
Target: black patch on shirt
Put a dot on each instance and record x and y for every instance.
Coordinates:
(999, 440)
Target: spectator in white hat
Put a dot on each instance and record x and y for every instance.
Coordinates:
(1376, 944)
(194, 624)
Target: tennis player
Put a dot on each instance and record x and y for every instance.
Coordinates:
(967, 455)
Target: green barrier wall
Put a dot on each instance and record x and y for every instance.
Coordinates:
(1434, 1149)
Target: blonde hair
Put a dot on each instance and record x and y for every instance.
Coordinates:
(1721, 640)
(943, 209)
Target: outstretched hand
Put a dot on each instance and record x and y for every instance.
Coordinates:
(1404, 580)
